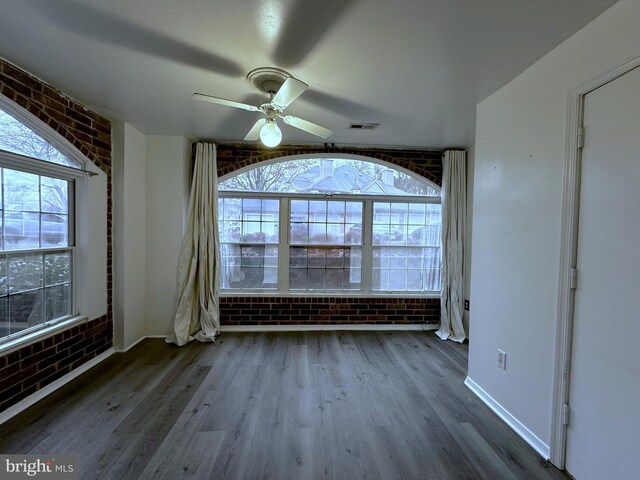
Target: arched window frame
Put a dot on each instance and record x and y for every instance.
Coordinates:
(284, 243)
(78, 218)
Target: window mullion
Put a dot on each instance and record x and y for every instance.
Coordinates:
(283, 245)
(367, 249)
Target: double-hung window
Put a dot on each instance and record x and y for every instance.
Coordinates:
(36, 230)
(329, 226)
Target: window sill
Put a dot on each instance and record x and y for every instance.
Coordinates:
(270, 293)
(38, 335)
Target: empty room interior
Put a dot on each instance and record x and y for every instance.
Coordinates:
(285, 239)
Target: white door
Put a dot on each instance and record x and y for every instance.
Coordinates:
(603, 437)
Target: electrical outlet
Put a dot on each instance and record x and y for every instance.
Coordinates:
(466, 305)
(502, 359)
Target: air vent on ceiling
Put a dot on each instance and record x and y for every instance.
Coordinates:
(364, 126)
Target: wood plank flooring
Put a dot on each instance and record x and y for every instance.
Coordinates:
(338, 405)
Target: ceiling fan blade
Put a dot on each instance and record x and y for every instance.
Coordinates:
(289, 91)
(313, 128)
(254, 133)
(223, 101)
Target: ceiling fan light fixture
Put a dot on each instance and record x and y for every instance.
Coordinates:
(270, 134)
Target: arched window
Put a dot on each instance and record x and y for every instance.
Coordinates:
(329, 226)
(37, 183)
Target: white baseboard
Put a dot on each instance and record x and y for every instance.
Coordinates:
(22, 405)
(527, 435)
(323, 328)
(138, 341)
(130, 346)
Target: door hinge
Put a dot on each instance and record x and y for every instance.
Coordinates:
(580, 137)
(573, 278)
(565, 414)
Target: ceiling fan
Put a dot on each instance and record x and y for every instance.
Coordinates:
(282, 89)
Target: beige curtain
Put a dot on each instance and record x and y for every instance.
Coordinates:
(454, 213)
(197, 315)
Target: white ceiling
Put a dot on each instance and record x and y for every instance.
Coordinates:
(417, 67)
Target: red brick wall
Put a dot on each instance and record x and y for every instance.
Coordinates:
(319, 310)
(328, 310)
(25, 371)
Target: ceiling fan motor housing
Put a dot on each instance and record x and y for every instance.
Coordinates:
(267, 80)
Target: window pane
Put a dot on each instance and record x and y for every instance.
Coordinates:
(57, 302)
(297, 257)
(335, 212)
(315, 257)
(21, 191)
(26, 195)
(270, 209)
(315, 279)
(5, 320)
(57, 268)
(299, 233)
(334, 280)
(335, 234)
(317, 211)
(397, 280)
(328, 222)
(229, 231)
(55, 195)
(403, 269)
(18, 138)
(325, 268)
(335, 258)
(299, 211)
(414, 280)
(329, 175)
(55, 230)
(251, 205)
(3, 277)
(249, 220)
(21, 230)
(297, 279)
(270, 231)
(353, 212)
(318, 233)
(232, 209)
(249, 267)
(25, 272)
(353, 234)
(25, 310)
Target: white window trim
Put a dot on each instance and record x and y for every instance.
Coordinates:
(367, 246)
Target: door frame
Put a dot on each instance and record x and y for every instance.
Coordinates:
(569, 250)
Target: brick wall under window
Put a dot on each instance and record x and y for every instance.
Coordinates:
(299, 310)
(328, 310)
(25, 371)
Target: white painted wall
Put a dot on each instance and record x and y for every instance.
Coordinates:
(168, 180)
(518, 188)
(129, 200)
(471, 151)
